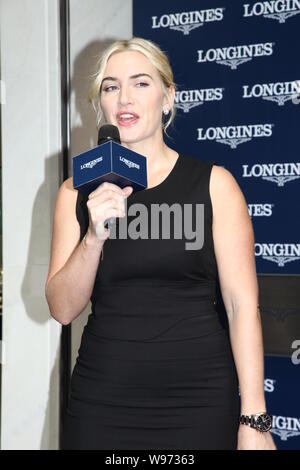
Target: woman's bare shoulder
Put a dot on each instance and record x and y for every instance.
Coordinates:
(224, 188)
(220, 175)
(68, 185)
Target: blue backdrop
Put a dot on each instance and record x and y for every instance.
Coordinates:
(237, 69)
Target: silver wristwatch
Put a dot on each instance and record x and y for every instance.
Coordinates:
(260, 421)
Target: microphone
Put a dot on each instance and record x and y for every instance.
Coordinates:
(106, 133)
(109, 161)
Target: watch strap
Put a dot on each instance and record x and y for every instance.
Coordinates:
(250, 420)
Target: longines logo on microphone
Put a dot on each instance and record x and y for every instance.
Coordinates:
(91, 164)
(188, 99)
(279, 253)
(129, 163)
(235, 135)
(279, 10)
(188, 20)
(279, 92)
(279, 173)
(233, 56)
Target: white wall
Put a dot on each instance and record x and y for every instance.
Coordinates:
(30, 179)
(94, 24)
(30, 145)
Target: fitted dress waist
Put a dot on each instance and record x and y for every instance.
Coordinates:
(154, 311)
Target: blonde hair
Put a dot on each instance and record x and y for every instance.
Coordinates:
(156, 56)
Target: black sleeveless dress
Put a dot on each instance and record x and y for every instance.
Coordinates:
(155, 368)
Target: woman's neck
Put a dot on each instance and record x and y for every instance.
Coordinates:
(158, 154)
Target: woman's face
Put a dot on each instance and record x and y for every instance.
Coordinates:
(132, 96)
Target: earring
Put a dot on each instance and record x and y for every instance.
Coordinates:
(166, 110)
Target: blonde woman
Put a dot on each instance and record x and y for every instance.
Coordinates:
(156, 368)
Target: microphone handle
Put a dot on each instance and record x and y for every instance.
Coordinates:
(100, 227)
(111, 221)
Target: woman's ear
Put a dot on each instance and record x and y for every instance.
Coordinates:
(170, 97)
(172, 93)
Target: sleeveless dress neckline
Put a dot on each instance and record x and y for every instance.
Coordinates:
(168, 177)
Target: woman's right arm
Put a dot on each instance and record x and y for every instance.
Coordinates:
(74, 263)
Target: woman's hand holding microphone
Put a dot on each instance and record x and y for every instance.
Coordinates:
(106, 201)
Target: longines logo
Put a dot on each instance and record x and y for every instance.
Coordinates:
(279, 92)
(279, 173)
(269, 385)
(129, 163)
(256, 210)
(188, 20)
(279, 10)
(280, 253)
(235, 135)
(285, 427)
(188, 99)
(91, 164)
(233, 56)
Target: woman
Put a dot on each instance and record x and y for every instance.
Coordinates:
(156, 369)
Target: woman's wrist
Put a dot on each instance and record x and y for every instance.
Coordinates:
(253, 408)
(251, 405)
(91, 240)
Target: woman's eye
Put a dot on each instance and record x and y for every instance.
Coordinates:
(114, 87)
(110, 88)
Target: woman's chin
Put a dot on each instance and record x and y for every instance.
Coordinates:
(128, 142)
(126, 138)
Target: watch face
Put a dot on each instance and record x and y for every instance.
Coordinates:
(264, 422)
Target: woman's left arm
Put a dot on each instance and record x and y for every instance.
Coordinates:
(234, 249)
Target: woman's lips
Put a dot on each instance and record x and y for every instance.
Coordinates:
(126, 119)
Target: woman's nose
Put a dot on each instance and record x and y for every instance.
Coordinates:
(124, 96)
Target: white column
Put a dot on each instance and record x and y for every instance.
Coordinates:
(30, 70)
